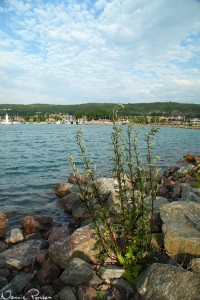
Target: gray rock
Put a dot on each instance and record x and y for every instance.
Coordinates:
(4, 272)
(189, 194)
(20, 281)
(166, 282)
(23, 254)
(121, 283)
(77, 272)
(69, 201)
(111, 271)
(15, 237)
(184, 170)
(195, 264)
(3, 281)
(79, 210)
(181, 228)
(66, 294)
(79, 244)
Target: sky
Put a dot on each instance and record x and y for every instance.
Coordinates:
(81, 51)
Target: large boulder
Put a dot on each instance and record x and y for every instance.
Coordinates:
(181, 228)
(166, 282)
(77, 272)
(33, 224)
(23, 254)
(3, 224)
(79, 244)
(78, 179)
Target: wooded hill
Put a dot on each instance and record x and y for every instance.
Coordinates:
(102, 110)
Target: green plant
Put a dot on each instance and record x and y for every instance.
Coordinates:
(125, 236)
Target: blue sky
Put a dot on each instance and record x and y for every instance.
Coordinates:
(70, 51)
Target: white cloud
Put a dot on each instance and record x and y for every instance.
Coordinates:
(109, 51)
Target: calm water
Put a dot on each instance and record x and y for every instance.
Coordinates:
(33, 160)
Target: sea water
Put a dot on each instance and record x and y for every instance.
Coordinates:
(33, 160)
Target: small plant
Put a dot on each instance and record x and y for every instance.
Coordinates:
(125, 236)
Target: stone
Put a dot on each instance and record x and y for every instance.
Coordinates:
(162, 191)
(79, 210)
(3, 224)
(190, 157)
(195, 265)
(122, 284)
(48, 273)
(184, 170)
(63, 189)
(170, 171)
(118, 294)
(87, 293)
(77, 272)
(157, 241)
(113, 203)
(111, 271)
(3, 281)
(33, 224)
(15, 237)
(79, 244)
(69, 201)
(3, 246)
(197, 160)
(58, 233)
(42, 256)
(181, 228)
(166, 282)
(20, 281)
(66, 294)
(189, 193)
(176, 194)
(23, 254)
(5, 273)
(78, 178)
(106, 185)
(157, 202)
(47, 290)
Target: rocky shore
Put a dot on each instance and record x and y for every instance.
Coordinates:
(46, 260)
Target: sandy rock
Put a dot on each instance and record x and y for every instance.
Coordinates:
(170, 171)
(63, 189)
(33, 224)
(48, 273)
(22, 255)
(166, 282)
(181, 228)
(79, 244)
(77, 272)
(3, 224)
(15, 237)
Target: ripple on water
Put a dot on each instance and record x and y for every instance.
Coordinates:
(33, 161)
